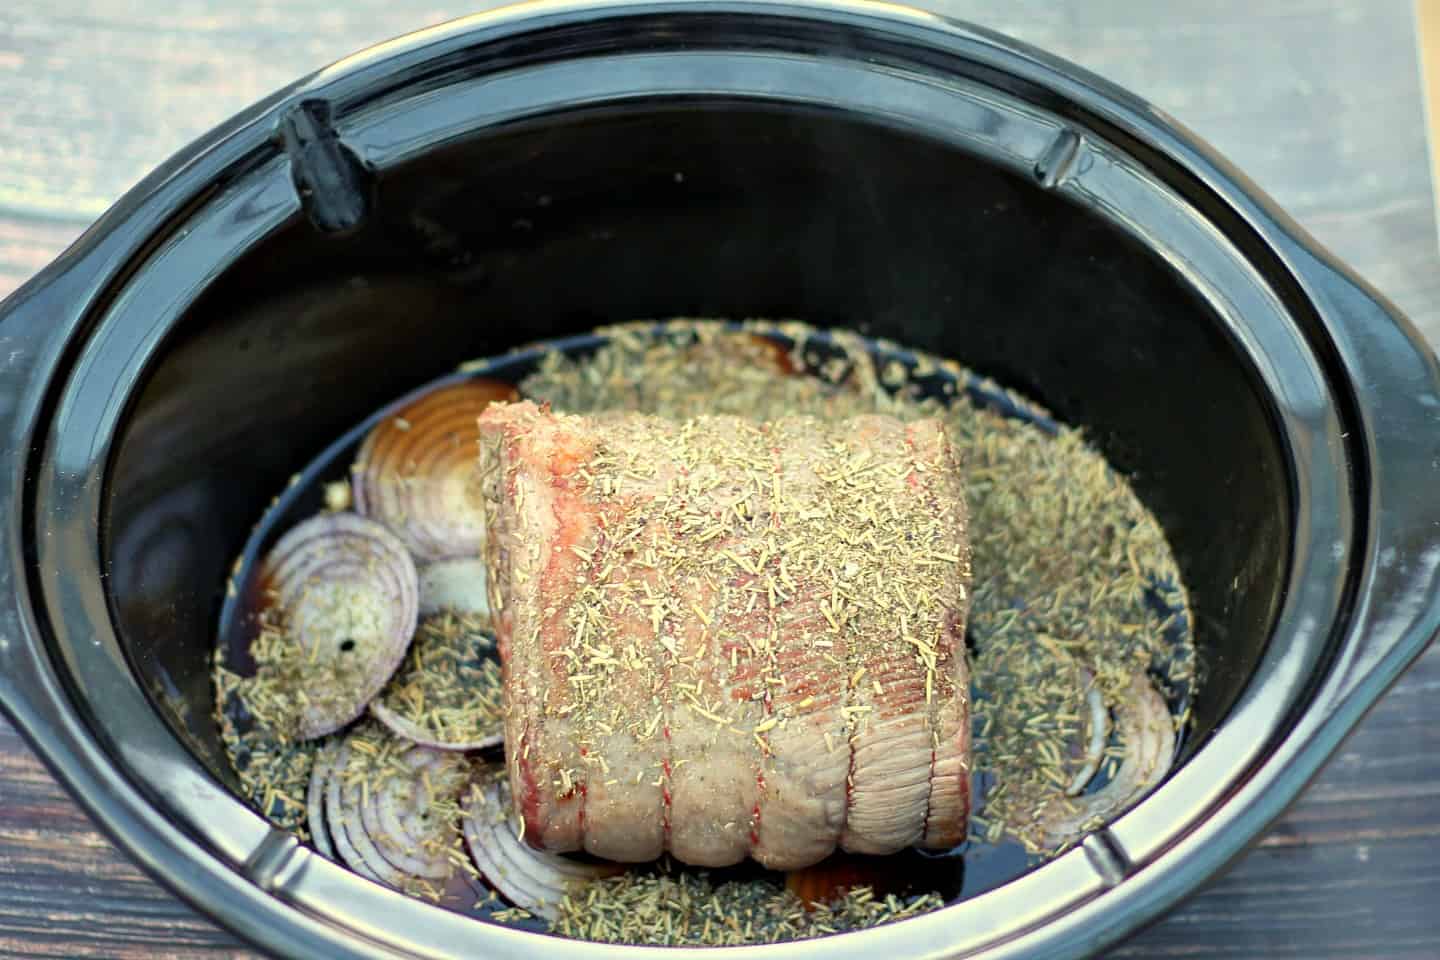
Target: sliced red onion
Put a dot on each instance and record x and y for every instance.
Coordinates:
(419, 735)
(1147, 731)
(417, 471)
(455, 585)
(342, 813)
(400, 814)
(1099, 724)
(346, 590)
(531, 879)
(315, 800)
(392, 812)
(448, 693)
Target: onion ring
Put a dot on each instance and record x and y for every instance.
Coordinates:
(315, 801)
(531, 879)
(345, 591)
(341, 813)
(392, 813)
(448, 692)
(400, 815)
(457, 586)
(1099, 735)
(417, 471)
(1147, 732)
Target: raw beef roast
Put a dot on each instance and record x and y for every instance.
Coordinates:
(725, 638)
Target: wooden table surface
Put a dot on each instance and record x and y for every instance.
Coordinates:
(1317, 100)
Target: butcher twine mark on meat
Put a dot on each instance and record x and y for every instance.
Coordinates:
(724, 638)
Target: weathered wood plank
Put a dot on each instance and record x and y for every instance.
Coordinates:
(65, 891)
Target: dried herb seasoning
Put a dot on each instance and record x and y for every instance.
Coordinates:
(448, 690)
(273, 767)
(1075, 591)
(1072, 573)
(667, 906)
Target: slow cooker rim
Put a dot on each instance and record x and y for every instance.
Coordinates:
(32, 290)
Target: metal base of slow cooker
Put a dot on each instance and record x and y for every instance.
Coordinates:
(538, 172)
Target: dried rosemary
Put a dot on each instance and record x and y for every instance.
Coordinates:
(672, 907)
(273, 768)
(1073, 580)
(1071, 570)
(449, 685)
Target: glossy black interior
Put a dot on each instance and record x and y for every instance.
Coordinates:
(682, 209)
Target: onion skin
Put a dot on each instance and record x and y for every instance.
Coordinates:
(347, 592)
(416, 472)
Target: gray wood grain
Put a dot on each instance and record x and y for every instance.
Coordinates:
(1318, 101)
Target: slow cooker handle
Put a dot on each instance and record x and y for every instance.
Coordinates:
(1398, 612)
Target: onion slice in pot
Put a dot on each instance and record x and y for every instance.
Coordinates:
(417, 471)
(393, 813)
(531, 879)
(448, 693)
(342, 814)
(1147, 732)
(344, 589)
(410, 811)
(419, 735)
(1099, 734)
(315, 800)
(456, 585)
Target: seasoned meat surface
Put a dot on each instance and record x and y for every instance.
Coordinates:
(729, 639)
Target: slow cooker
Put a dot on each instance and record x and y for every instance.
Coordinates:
(534, 172)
